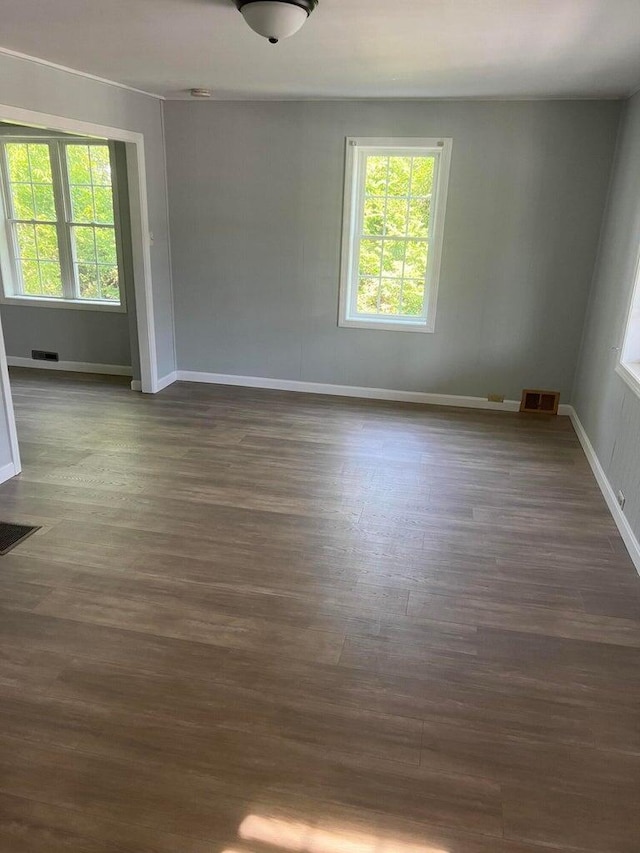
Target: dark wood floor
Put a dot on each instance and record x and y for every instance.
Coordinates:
(256, 622)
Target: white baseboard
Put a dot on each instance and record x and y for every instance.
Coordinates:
(628, 536)
(350, 391)
(164, 381)
(136, 385)
(7, 472)
(71, 366)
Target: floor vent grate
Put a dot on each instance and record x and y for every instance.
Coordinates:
(13, 534)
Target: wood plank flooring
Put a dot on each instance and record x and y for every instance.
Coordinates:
(258, 622)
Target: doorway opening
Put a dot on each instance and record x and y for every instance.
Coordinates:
(74, 255)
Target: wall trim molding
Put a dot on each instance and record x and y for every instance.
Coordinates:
(628, 536)
(7, 472)
(71, 366)
(165, 381)
(136, 385)
(356, 391)
(27, 57)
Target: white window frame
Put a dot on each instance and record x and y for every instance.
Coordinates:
(628, 367)
(357, 149)
(10, 290)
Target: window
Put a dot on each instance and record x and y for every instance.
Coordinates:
(59, 242)
(629, 367)
(395, 196)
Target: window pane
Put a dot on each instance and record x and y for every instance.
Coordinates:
(38, 260)
(367, 297)
(412, 297)
(85, 247)
(88, 281)
(416, 259)
(370, 257)
(78, 164)
(41, 278)
(109, 286)
(30, 180)
(390, 293)
(89, 169)
(103, 200)
(399, 176)
(96, 263)
(100, 165)
(47, 242)
(45, 204)
(376, 176)
(393, 258)
(30, 278)
(82, 204)
(419, 213)
(106, 246)
(27, 247)
(396, 217)
(18, 159)
(373, 220)
(40, 162)
(422, 178)
(22, 197)
(50, 278)
(37, 241)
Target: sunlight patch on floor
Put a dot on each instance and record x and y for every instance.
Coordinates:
(306, 838)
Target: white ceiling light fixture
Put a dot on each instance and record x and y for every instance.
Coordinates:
(276, 19)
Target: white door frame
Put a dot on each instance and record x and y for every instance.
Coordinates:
(6, 401)
(140, 238)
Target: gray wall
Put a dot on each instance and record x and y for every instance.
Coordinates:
(37, 87)
(607, 407)
(94, 336)
(256, 203)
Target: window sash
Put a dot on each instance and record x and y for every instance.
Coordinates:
(358, 151)
(362, 155)
(64, 223)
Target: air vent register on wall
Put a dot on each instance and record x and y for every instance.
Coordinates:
(542, 402)
(44, 355)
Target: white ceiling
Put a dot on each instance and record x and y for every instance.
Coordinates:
(348, 48)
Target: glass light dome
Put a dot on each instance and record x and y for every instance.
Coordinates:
(276, 19)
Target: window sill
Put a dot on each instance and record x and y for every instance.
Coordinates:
(630, 373)
(387, 325)
(73, 304)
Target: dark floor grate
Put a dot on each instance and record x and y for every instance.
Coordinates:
(12, 534)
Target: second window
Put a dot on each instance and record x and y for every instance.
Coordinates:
(395, 193)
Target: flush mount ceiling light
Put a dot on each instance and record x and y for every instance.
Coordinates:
(276, 19)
